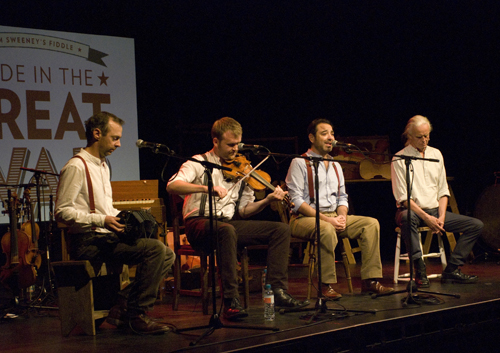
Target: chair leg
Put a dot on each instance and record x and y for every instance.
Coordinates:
(345, 260)
(444, 263)
(396, 258)
(348, 250)
(245, 278)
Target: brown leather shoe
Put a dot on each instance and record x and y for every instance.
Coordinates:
(144, 325)
(373, 286)
(330, 293)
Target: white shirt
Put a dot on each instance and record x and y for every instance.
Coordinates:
(428, 178)
(72, 202)
(194, 173)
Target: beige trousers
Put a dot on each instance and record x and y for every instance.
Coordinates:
(365, 229)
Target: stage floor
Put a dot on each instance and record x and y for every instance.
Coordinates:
(354, 323)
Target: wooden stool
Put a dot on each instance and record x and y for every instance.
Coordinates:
(75, 289)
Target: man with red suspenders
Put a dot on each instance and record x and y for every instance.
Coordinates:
(85, 204)
(333, 206)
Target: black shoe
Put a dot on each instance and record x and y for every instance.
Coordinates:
(458, 277)
(233, 309)
(283, 300)
(420, 274)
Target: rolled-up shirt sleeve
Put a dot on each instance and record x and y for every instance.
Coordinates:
(296, 183)
(398, 179)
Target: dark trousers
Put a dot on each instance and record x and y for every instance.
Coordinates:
(152, 257)
(454, 223)
(234, 235)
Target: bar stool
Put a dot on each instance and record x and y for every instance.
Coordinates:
(405, 257)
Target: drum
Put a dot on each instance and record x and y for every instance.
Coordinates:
(488, 211)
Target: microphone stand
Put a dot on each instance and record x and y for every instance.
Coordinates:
(214, 322)
(412, 286)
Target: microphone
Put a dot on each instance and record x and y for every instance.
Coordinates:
(341, 144)
(244, 146)
(154, 146)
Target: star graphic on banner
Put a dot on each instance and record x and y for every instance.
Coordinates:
(103, 79)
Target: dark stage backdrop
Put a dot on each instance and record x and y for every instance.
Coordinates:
(275, 65)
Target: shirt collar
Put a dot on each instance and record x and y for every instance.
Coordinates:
(91, 158)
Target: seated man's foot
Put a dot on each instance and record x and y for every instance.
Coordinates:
(117, 316)
(233, 309)
(422, 282)
(420, 274)
(285, 301)
(458, 277)
(144, 325)
(330, 293)
(374, 286)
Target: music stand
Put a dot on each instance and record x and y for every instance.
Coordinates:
(214, 322)
(412, 286)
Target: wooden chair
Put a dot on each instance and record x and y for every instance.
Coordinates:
(425, 252)
(84, 297)
(182, 249)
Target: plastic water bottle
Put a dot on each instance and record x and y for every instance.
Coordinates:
(269, 314)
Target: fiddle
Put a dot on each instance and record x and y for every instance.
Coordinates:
(258, 180)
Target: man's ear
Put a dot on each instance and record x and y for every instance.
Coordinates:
(311, 138)
(97, 133)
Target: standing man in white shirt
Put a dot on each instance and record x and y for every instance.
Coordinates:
(85, 204)
(429, 201)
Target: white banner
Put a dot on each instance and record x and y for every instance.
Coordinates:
(50, 83)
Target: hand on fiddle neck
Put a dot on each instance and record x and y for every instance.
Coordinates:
(277, 195)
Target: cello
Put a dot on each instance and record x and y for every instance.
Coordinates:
(16, 270)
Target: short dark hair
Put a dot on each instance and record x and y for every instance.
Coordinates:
(100, 121)
(313, 126)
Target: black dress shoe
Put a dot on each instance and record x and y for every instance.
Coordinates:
(284, 300)
(458, 277)
(420, 274)
(233, 309)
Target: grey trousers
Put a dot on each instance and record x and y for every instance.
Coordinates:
(454, 223)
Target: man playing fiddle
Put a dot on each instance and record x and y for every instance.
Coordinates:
(232, 205)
